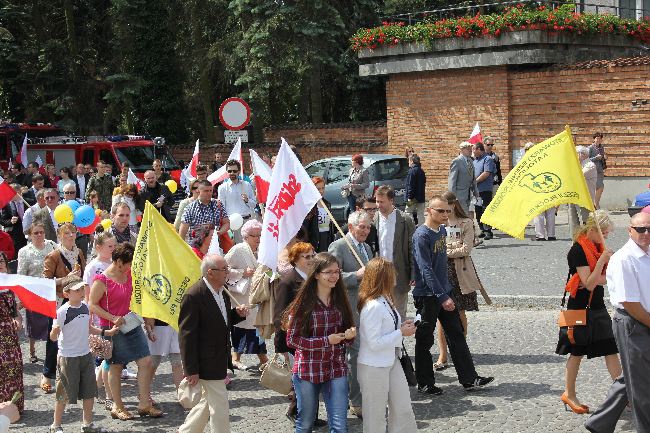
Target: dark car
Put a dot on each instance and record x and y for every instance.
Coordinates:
(382, 170)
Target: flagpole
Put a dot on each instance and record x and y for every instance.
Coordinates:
(232, 298)
(347, 241)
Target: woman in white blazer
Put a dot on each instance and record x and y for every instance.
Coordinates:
(380, 373)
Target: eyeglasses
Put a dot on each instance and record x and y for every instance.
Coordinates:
(52, 197)
(194, 188)
(489, 144)
(641, 230)
(226, 269)
(330, 273)
(201, 173)
(370, 209)
(442, 210)
(233, 171)
(38, 233)
(69, 192)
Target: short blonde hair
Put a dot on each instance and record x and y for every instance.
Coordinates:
(600, 217)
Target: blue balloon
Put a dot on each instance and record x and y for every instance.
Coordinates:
(74, 204)
(84, 216)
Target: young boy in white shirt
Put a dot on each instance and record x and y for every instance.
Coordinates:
(75, 363)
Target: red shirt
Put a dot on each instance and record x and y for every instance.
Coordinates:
(7, 245)
(316, 360)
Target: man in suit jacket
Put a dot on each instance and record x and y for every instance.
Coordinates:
(46, 215)
(395, 229)
(81, 180)
(38, 182)
(204, 321)
(11, 218)
(461, 180)
(352, 272)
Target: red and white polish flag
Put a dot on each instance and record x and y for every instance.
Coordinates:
(133, 179)
(476, 136)
(195, 161)
(263, 174)
(7, 193)
(22, 156)
(220, 175)
(291, 196)
(36, 294)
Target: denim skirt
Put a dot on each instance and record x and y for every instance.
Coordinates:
(129, 347)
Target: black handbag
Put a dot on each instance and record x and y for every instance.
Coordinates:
(407, 366)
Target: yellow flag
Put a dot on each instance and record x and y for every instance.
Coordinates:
(548, 175)
(163, 268)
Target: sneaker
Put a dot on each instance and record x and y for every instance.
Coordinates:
(430, 389)
(239, 365)
(479, 382)
(482, 235)
(488, 236)
(56, 429)
(92, 428)
(128, 374)
(108, 405)
(552, 238)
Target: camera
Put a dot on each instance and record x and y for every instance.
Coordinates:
(417, 319)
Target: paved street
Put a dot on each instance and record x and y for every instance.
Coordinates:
(514, 345)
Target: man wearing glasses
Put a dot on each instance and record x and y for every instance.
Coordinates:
(237, 196)
(629, 293)
(46, 215)
(489, 150)
(433, 302)
(204, 322)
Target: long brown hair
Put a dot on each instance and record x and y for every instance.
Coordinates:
(453, 201)
(378, 280)
(305, 301)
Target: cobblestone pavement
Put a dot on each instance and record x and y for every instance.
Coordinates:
(515, 346)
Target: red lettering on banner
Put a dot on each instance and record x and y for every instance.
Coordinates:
(282, 202)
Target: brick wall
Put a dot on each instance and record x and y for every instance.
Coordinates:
(313, 141)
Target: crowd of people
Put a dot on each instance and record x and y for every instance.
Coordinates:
(335, 308)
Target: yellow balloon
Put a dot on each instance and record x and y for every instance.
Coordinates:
(171, 184)
(106, 224)
(98, 212)
(63, 214)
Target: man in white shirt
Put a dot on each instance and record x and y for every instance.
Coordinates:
(395, 232)
(81, 180)
(628, 283)
(236, 196)
(28, 216)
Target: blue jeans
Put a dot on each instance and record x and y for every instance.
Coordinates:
(352, 203)
(335, 394)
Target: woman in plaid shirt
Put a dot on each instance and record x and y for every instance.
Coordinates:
(319, 324)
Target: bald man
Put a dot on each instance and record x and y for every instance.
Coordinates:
(629, 293)
(157, 194)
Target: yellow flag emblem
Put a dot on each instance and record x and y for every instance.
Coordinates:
(163, 268)
(547, 176)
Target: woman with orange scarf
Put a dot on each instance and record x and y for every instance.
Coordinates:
(587, 263)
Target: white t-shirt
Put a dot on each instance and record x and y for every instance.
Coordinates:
(74, 322)
(627, 276)
(95, 267)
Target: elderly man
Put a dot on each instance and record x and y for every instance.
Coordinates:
(352, 272)
(101, 182)
(433, 301)
(237, 196)
(461, 180)
(395, 229)
(629, 293)
(28, 217)
(46, 215)
(204, 322)
(204, 210)
(157, 194)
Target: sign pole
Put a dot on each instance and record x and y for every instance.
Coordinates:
(347, 241)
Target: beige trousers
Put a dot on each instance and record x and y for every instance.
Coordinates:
(400, 298)
(381, 387)
(213, 407)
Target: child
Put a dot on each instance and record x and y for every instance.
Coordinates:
(104, 244)
(94, 199)
(75, 363)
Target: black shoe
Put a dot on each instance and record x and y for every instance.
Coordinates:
(430, 389)
(482, 235)
(551, 238)
(479, 382)
(488, 236)
(539, 239)
(320, 422)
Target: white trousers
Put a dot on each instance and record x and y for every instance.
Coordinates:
(212, 408)
(382, 387)
(545, 224)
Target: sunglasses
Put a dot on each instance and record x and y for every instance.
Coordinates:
(442, 210)
(195, 188)
(370, 209)
(641, 230)
(51, 198)
(69, 192)
(233, 171)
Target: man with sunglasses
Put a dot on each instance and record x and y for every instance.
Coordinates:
(433, 300)
(488, 142)
(237, 197)
(629, 293)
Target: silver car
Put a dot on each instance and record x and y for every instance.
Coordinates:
(382, 170)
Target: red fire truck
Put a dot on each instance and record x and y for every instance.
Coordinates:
(55, 146)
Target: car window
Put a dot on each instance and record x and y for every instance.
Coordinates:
(390, 169)
(339, 170)
(317, 169)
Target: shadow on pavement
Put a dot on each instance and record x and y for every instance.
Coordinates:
(498, 359)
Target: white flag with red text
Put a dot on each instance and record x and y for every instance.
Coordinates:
(220, 175)
(263, 175)
(36, 294)
(291, 196)
(475, 136)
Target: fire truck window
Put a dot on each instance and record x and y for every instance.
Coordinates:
(4, 153)
(107, 156)
(89, 157)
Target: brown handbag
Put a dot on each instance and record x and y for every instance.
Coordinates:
(276, 376)
(572, 319)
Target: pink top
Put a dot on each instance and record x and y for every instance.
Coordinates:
(116, 299)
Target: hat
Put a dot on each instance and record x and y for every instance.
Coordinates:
(465, 144)
(73, 282)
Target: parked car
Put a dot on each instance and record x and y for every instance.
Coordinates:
(382, 170)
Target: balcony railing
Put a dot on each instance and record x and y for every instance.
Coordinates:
(489, 8)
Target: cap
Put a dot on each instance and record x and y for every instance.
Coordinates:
(73, 283)
(465, 144)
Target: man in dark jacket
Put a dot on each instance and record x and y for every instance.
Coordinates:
(157, 194)
(204, 321)
(416, 182)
